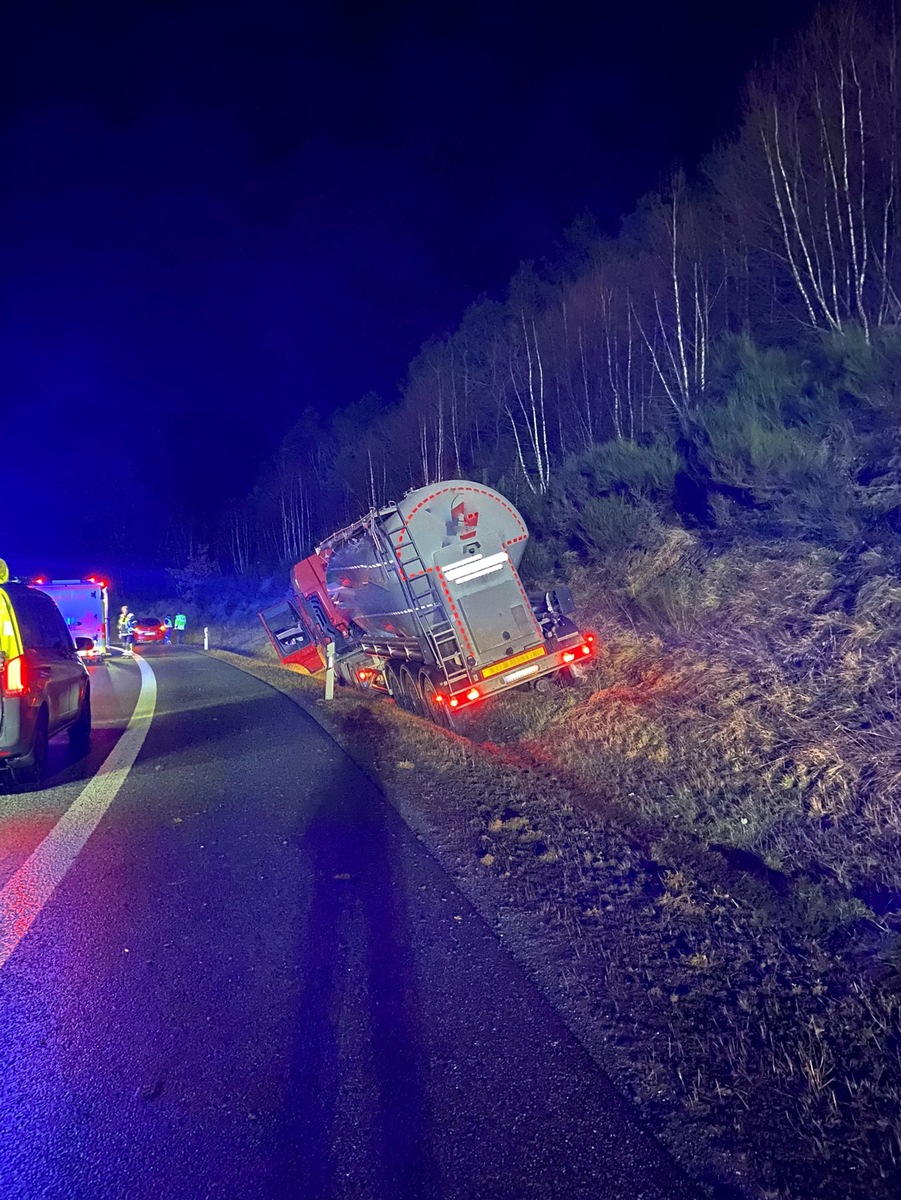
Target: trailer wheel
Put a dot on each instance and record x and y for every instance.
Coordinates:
(436, 712)
(393, 677)
(399, 678)
(413, 701)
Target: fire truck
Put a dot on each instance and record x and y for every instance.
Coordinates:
(421, 600)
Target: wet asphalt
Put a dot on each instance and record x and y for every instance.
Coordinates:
(255, 982)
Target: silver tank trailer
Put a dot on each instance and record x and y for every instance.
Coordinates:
(444, 522)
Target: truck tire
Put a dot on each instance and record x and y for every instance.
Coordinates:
(80, 732)
(410, 691)
(393, 676)
(439, 714)
(31, 777)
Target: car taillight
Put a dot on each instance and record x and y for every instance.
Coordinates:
(14, 679)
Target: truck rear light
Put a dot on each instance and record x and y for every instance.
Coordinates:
(569, 656)
(473, 694)
(14, 679)
(454, 702)
(439, 699)
(586, 649)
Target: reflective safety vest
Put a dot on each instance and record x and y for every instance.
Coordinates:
(180, 620)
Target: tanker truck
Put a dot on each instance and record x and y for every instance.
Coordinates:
(421, 600)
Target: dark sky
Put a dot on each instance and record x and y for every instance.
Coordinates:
(215, 214)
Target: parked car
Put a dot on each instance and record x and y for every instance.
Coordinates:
(148, 629)
(44, 686)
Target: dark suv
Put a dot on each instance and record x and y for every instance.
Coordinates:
(44, 685)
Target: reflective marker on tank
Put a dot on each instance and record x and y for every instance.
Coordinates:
(472, 562)
(463, 563)
(477, 574)
(472, 568)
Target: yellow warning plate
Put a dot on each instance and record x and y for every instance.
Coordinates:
(499, 667)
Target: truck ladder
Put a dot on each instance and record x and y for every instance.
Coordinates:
(441, 635)
(446, 648)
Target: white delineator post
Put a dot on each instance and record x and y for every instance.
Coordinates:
(330, 671)
(206, 637)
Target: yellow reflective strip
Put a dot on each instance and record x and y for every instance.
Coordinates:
(499, 667)
(10, 639)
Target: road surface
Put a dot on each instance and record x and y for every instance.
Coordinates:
(254, 982)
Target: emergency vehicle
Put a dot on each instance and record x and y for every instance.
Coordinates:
(84, 604)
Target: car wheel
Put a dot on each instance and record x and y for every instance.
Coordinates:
(80, 732)
(32, 776)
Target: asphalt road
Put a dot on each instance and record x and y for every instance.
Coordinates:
(255, 982)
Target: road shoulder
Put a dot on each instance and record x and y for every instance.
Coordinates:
(450, 791)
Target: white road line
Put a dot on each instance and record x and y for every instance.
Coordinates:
(26, 892)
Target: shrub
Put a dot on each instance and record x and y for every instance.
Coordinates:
(623, 467)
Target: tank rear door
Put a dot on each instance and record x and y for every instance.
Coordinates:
(484, 588)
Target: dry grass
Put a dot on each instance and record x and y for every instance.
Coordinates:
(755, 761)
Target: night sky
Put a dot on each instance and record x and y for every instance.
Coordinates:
(214, 215)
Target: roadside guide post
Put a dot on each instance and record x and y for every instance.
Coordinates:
(206, 637)
(330, 671)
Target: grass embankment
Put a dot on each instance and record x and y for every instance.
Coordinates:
(696, 849)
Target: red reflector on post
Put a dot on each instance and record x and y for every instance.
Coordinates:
(15, 677)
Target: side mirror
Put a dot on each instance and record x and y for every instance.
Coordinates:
(83, 644)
